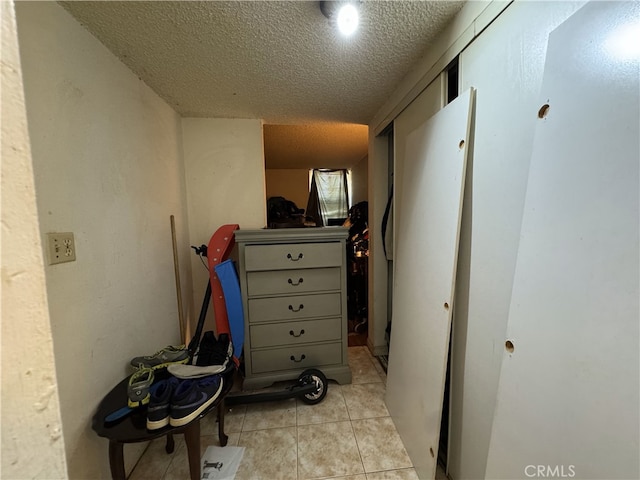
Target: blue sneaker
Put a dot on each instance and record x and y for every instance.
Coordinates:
(159, 403)
(192, 397)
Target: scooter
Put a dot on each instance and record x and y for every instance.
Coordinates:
(310, 387)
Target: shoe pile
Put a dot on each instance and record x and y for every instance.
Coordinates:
(212, 357)
(179, 399)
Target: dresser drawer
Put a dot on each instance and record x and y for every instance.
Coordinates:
(293, 281)
(293, 255)
(288, 358)
(293, 333)
(294, 307)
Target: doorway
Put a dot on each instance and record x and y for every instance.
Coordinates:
(291, 153)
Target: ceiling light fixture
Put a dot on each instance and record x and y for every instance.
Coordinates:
(345, 15)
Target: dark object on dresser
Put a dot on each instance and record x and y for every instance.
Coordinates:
(283, 213)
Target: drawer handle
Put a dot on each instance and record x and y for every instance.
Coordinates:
(300, 280)
(294, 259)
(294, 335)
(293, 359)
(294, 310)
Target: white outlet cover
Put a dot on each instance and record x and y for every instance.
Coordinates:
(61, 247)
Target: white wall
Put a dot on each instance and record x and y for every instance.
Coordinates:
(360, 181)
(290, 183)
(379, 306)
(32, 437)
(424, 106)
(505, 64)
(108, 167)
(224, 167)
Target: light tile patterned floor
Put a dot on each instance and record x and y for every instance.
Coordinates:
(349, 435)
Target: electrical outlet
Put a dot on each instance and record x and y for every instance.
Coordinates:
(62, 248)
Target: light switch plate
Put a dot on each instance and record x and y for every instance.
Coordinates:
(62, 247)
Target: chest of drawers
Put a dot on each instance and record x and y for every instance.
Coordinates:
(293, 284)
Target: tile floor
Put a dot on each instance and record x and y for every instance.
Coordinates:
(348, 435)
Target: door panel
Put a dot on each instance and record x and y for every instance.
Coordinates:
(426, 248)
(569, 385)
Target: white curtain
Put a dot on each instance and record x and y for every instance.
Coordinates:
(331, 192)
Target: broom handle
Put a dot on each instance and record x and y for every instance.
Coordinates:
(176, 268)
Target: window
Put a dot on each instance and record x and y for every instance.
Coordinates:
(329, 197)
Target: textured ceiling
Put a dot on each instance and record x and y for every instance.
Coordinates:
(335, 145)
(279, 61)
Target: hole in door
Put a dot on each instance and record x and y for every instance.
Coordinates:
(544, 109)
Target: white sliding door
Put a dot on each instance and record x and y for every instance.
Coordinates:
(568, 396)
(426, 246)
(506, 64)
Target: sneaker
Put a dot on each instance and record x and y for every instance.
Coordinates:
(138, 388)
(158, 410)
(163, 358)
(192, 397)
(214, 352)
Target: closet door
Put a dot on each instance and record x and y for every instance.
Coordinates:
(425, 106)
(567, 403)
(428, 212)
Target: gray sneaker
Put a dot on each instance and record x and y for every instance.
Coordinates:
(163, 358)
(138, 388)
(213, 357)
(186, 372)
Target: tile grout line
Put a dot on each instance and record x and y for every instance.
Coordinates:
(140, 458)
(173, 457)
(244, 416)
(355, 437)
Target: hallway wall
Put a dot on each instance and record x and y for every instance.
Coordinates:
(32, 441)
(108, 167)
(224, 168)
(360, 181)
(290, 183)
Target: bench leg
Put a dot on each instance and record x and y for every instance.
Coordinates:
(170, 446)
(222, 437)
(192, 439)
(116, 460)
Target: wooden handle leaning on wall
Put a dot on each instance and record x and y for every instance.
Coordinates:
(176, 268)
